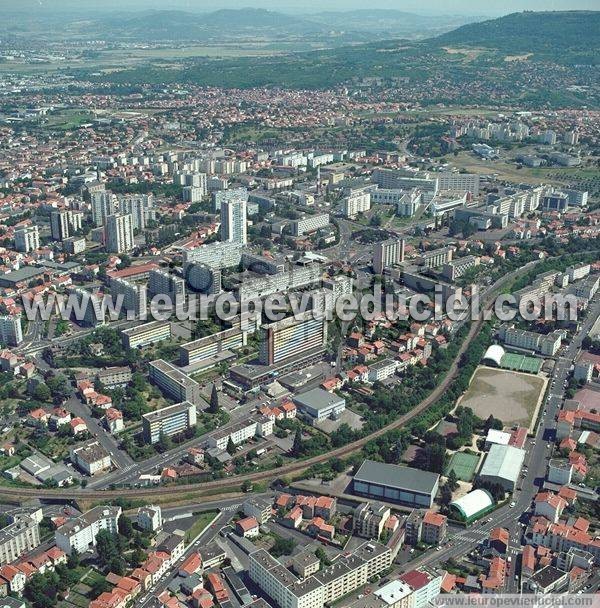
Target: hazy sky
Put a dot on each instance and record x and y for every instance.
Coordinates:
(471, 7)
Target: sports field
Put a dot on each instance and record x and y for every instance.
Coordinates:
(464, 465)
(510, 396)
(521, 363)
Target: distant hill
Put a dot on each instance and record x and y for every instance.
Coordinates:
(390, 22)
(544, 33)
(506, 49)
(328, 29)
(182, 25)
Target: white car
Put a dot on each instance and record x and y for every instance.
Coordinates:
(512, 504)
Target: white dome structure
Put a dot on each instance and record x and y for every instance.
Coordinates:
(472, 505)
(494, 355)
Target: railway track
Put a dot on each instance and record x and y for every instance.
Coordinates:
(15, 494)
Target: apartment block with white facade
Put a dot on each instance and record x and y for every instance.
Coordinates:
(27, 239)
(19, 537)
(79, 534)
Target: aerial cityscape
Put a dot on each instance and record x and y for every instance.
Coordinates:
(299, 304)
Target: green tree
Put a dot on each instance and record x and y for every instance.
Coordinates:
(298, 446)
(99, 586)
(213, 408)
(230, 447)
(42, 393)
(73, 560)
(322, 556)
(445, 495)
(125, 526)
(435, 455)
(452, 481)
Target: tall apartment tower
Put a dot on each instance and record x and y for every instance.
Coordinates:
(140, 206)
(233, 221)
(11, 333)
(119, 233)
(103, 205)
(161, 282)
(291, 337)
(64, 224)
(27, 239)
(387, 253)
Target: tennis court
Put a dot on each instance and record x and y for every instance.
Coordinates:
(464, 465)
(521, 363)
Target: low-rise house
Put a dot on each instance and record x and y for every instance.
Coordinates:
(113, 420)
(247, 527)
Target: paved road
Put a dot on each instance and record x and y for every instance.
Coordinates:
(131, 472)
(120, 458)
(148, 600)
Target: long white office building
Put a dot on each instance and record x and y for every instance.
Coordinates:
(21, 536)
(309, 223)
(174, 382)
(134, 295)
(215, 255)
(146, 334)
(208, 346)
(347, 574)
(294, 278)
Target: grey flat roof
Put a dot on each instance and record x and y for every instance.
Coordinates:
(394, 476)
(23, 274)
(318, 399)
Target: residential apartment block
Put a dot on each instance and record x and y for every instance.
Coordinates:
(168, 421)
(79, 534)
(208, 346)
(146, 334)
(20, 536)
(174, 382)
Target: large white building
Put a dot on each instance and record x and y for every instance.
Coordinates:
(150, 518)
(79, 534)
(140, 207)
(387, 253)
(295, 277)
(502, 466)
(459, 182)
(209, 346)
(20, 536)
(309, 223)
(161, 282)
(134, 295)
(146, 334)
(103, 205)
(318, 404)
(119, 233)
(168, 421)
(91, 457)
(64, 224)
(27, 239)
(233, 221)
(347, 574)
(291, 337)
(356, 203)
(255, 426)
(546, 344)
(215, 255)
(174, 382)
